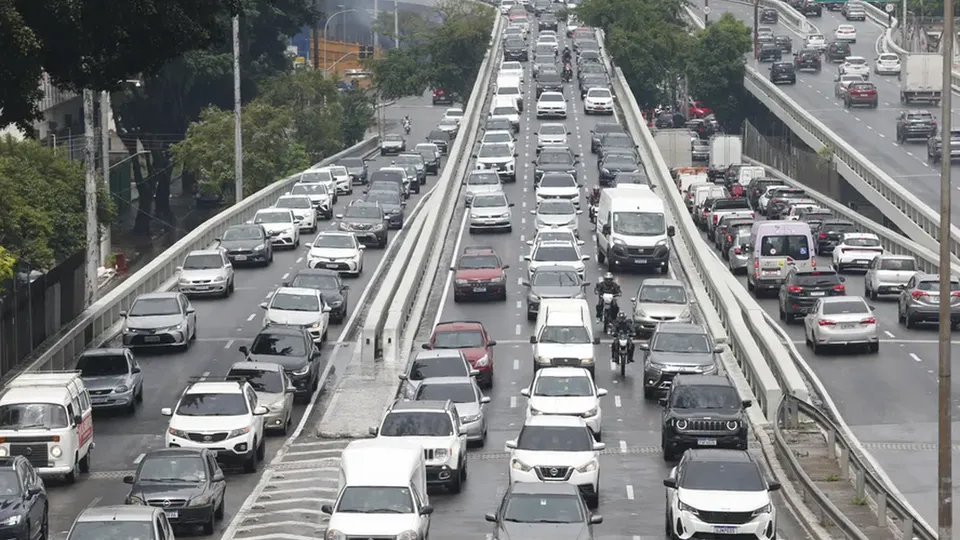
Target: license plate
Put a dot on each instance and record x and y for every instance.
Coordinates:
(640, 261)
(862, 261)
(241, 257)
(99, 400)
(151, 339)
(479, 289)
(333, 266)
(172, 514)
(724, 529)
(706, 442)
(818, 293)
(847, 326)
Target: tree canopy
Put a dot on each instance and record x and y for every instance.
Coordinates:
(96, 43)
(42, 212)
(716, 67)
(442, 48)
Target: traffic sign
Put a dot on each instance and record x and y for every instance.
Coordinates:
(706, 9)
(890, 8)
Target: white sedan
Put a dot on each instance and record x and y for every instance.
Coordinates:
(454, 113)
(846, 32)
(841, 321)
(566, 390)
(855, 65)
(500, 136)
(887, 64)
(856, 250)
(551, 105)
(334, 250)
(512, 69)
(598, 101)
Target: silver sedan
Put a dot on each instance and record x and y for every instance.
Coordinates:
(491, 211)
(841, 321)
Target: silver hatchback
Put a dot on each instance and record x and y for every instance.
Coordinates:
(888, 274)
(657, 301)
(919, 301)
(206, 272)
(491, 211)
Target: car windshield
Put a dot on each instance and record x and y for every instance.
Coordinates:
(567, 335)
(489, 201)
(392, 137)
(323, 282)
(556, 253)
(935, 286)
(785, 245)
(316, 177)
(273, 217)
(495, 137)
(458, 339)
(555, 157)
(243, 233)
(920, 117)
(504, 111)
(375, 500)
(861, 241)
(549, 78)
(483, 179)
(32, 415)
(427, 150)
(269, 382)
(556, 208)
(508, 91)
(9, 483)
(494, 150)
(558, 181)
(178, 469)
(212, 405)
(903, 265)
(309, 189)
(555, 439)
(845, 306)
(542, 508)
(384, 197)
(426, 368)
(680, 343)
(362, 211)
(290, 301)
(454, 113)
(817, 279)
(278, 345)
(203, 262)
(599, 93)
(576, 386)
(111, 530)
(617, 139)
(103, 365)
(851, 78)
(619, 160)
(721, 476)
(416, 424)
(639, 223)
(553, 129)
(509, 66)
(152, 307)
(457, 393)
(662, 294)
(336, 241)
(299, 203)
(862, 86)
(476, 262)
(556, 278)
(705, 397)
(551, 97)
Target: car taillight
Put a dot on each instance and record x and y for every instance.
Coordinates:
(716, 218)
(794, 289)
(824, 322)
(919, 294)
(823, 236)
(955, 293)
(840, 288)
(869, 320)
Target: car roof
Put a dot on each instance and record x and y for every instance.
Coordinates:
(105, 351)
(316, 272)
(289, 330)
(173, 452)
(681, 328)
(718, 455)
(120, 512)
(563, 372)
(295, 290)
(425, 405)
(661, 282)
(257, 366)
(446, 381)
(168, 294)
(438, 353)
(214, 387)
(896, 256)
(478, 250)
(214, 251)
(702, 380)
(536, 488)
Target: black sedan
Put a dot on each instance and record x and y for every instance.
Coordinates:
(614, 163)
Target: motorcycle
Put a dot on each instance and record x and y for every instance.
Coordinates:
(566, 56)
(567, 74)
(610, 311)
(594, 201)
(406, 127)
(621, 351)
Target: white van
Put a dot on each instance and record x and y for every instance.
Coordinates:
(47, 417)
(509, 85)
(378, 473)
(564, 334)
(631, 228)
(748, 173)
(505, 107)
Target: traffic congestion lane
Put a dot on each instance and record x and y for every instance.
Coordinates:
(223, 326)
(872, 132)
(631, 467)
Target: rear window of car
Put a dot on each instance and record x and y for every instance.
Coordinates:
(863, 86)
(933, 285)
(816, 279)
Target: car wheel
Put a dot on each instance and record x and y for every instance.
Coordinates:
(219, 513)
(250, 465)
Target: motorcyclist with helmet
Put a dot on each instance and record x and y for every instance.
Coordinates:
(606, 286)
(567, 74)
(623, 325)
(566, 54)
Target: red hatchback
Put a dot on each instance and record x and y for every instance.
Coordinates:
(441, 97)
(470, 338)
(861, 93)
(480, 274)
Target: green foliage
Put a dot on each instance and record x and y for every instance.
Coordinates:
(716, 67)
(42, 210)
(317, 113)
(97, 43)
(647, 39)
(358, 116)
(270, 149)
(445, 54)
(7, 260)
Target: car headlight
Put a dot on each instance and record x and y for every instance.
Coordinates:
(396, 211)
(343, 226)
(586, 361)
(591, 413)
(261, 247)
(469, 419)
(4, 452)
(589, 466)
(176, 328)
(684, 507)
(533, 411)
(378, 227)
(484, 361)
(660, 243)
(440, 454)
(655, 367)
(460, 281)
(497, 280)
(765, 509)
(408, 535)
(506, 215)
(680, 424)
(519, 465)
(238, 432)
(302, 371)
(199, 501)
(184, 281)
(219, 279)
(619, 242)
(333, 534)
(336, 303)
(732, 425)
(121, 389)
(685, 314)
(12, 520)
(176, 433)
(276, 407)
(133, 499)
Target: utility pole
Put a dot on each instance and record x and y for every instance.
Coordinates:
(756, 25)
(903, 26)
(376, 19)
(237, 127)
(90, 187)
(945, 436)
(106, 240)
(396, 24)
(706, 12)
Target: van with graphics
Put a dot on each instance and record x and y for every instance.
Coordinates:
(775, 247)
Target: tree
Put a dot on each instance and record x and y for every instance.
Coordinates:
(318, 113)
(7, 262)
(270, 150)
(441, 49)
(42, 210)
(358, 116)
(96, 43)
(716, 67)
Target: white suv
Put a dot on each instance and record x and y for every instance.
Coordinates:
(551, 105)
(302, 208)
(222, 416)
(556, 448)
(566, 390)
(436, 426)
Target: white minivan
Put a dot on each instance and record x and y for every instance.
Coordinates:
(632, 230)
(505, 107)
(510, 86)
(564, 335)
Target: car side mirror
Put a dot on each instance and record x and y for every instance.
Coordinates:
(533, 340)
(425, 346)
(326, 509)
(843, 279)
(533, 212)
(510, 445)
(191, 310)
(596, 519)
(596, 340)
(339, 216)
(584, 257)
(643, 346)
(123, 313)
(426, 510)
(327, 309)
(527, 257)
(243, 349)
(511, 205)
(605, 230)
(291, 389)
(670, 483)
(179, 269)
(525, 392)
(484, 400)
(166, 411)
(128, 479)
(746, 403)
(260, 410)
(402, 376)
(662, 401)
(474, 372)
(773, 486)
(492, 518)
(347, 287)
(373, 431)
(671, 231)
(263, 305)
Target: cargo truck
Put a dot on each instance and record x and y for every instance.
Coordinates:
(676, 146)
(921, 78)
(725, 150)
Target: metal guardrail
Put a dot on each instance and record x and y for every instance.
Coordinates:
(390, 310)
(914, 218)
(96, 321)
(890, 509)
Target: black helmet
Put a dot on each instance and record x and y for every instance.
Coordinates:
(608, 277)
(621, 316)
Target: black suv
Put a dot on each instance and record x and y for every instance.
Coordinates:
(808, 59)
(769, 16)
(599, 131)
(837, 51)
(549, 82)
(757, 187)
(24, 499)
(676, 348)
(801, 290)
(783, 72)
(548, 21)
(785, 44)
(440, 138)
(915, 125)
(810, 8)
(516, 50)
(290, 347)
(702, 411)
(331, 288)
(770, 52)
(830, 233)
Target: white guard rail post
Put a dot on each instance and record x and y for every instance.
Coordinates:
(390, 309)
(96, 322)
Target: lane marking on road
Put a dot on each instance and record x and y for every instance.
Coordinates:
(516, 364)
(251, 317)
(139, 459)
(519, 329)
(915, 357)
(299, 260)
(616, 402)
(513, 402)
(887, 332)
(228, 345)
(623, 446)
(629, 492)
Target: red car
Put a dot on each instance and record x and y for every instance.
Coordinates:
(480, 274)
(469, 337)
(697, 109)
(440, 97)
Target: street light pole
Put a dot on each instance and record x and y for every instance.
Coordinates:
(237, 126)
(106, 240)
(90, 281)
(396, 24)
(326, 68)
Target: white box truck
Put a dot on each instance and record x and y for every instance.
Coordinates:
(921, 78)
(676, 146)
(725, 150)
